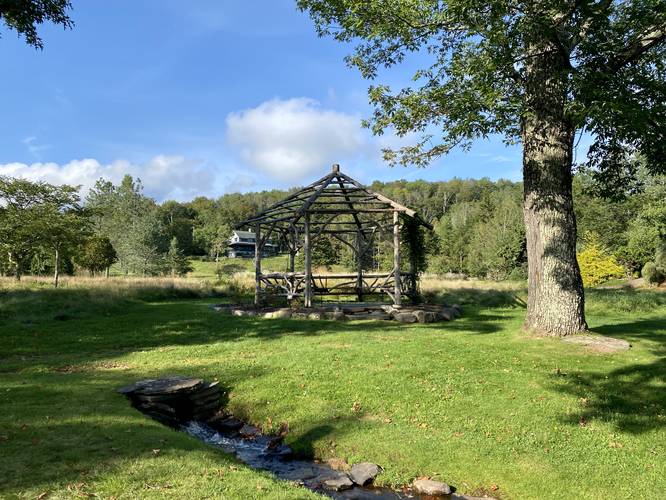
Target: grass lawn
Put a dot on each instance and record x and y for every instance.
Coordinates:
(472, 402)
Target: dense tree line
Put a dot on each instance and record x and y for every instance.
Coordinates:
(478, 229)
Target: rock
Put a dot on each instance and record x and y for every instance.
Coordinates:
(405, 317)
(425, 316)
(601, 344)
(447, 313)
(432, 488)
(336, 315)
(339, 483)
(225, 423)
(420, 316)
(249, 431)
(300, 473)
(364, 473)
(339, 464)
(283, 313)
(243, 312)
(314, 315)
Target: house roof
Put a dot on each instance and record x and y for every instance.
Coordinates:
(244, 234)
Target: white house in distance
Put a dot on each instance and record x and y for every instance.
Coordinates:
(241, 244)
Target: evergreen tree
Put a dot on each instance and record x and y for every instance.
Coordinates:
(176, 263)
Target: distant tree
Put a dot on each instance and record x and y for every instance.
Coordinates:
(497, 244)
(36, 214)
(63, 226)
(24, 16)
(177, 221)
(132, 223)
(176, 263)
(454, 231)
(534, 72)
(211, 230)
(96, 254)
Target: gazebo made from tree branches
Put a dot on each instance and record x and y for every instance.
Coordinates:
(338, 206)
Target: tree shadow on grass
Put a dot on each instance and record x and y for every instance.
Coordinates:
(63, 431)
(62, 428)
(90, 334)
(631, 397)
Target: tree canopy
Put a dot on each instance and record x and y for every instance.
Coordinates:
(24, 16)
(473, 81)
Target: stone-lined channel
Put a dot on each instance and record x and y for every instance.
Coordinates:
(193, 406)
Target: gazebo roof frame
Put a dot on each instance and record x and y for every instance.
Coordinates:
(322, 197)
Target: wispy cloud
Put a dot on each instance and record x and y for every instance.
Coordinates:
(34, 148)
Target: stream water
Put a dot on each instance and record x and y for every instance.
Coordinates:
(261, 453)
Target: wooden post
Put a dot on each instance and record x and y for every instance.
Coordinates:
(292, 250)
(307, 299)
(397, 299)
(359, 263)
(257, 263)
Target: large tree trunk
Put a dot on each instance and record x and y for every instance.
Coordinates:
(555, 290)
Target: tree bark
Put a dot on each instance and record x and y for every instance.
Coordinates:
(555, 303)
(56, 268)
(16, 262)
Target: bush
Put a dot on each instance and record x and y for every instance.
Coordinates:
(597, 265)
(518, 274)
(652, 274)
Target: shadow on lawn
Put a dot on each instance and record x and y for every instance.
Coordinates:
(81, 332)
(631, 397)
(63, 428)
(77, 429)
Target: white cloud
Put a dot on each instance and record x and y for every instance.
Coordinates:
(163, 177)
(291, 140)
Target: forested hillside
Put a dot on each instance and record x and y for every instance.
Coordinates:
(479, 229)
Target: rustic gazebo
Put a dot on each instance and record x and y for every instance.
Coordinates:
(338, 206)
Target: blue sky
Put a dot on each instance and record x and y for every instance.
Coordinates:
(198, 98)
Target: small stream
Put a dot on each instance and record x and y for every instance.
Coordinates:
(262, 453)
(194, 406)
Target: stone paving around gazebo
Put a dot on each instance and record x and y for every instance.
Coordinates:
(421, 313)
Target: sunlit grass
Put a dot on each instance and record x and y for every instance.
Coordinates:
(473, 402)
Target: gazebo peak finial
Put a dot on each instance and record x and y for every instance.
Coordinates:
(335, 168)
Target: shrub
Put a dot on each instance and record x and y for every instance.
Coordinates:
(652, 274)
(597, 265)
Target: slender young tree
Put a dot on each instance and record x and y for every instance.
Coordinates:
(535, 72)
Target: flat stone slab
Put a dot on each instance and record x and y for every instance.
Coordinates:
(601, 344)
(169, 385)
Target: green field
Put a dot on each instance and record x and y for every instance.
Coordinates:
(473, 402)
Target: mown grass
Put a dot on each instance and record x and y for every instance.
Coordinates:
(473, 402)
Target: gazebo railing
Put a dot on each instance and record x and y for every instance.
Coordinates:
(292, 284)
